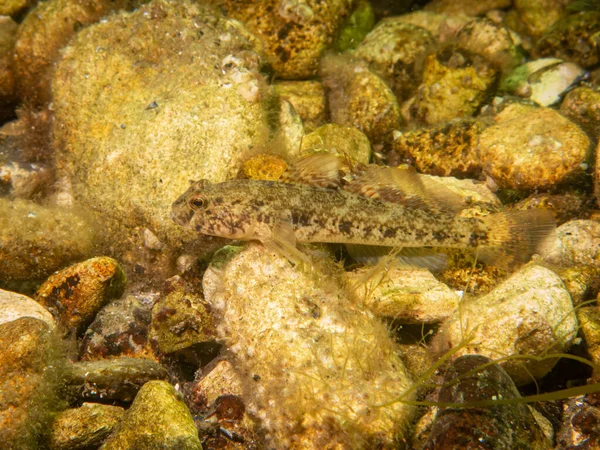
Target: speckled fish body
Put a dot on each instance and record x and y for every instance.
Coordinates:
(258, 210)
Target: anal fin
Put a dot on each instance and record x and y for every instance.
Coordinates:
(409, 257)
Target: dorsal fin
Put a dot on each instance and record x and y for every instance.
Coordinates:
(406, 187)
(391, 184)
(321, 170)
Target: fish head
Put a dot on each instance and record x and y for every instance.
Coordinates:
(216, 209)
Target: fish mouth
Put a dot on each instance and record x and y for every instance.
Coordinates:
(181, 219)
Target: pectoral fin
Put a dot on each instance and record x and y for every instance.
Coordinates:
(283, 242)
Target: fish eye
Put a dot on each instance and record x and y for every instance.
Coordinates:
(197, 203)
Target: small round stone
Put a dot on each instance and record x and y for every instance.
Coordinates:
(531, 148)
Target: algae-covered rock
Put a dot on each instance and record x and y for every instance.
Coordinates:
(537, 16)
(13, 7)
(84, 427)
(75, 294)
(573, 38)
(299, 342)
(446, 150)
(455, 84)
(119, 329)
(468, 7)
(157, 420)
(492, 41)
(181, 319)
(582, 106)
(428, 20)
(44, 31)
(576, 243)
(295, 32)
(409, 295)
(148, 100)
(8, 31)
(589, 319)
(565, 207)
(13, 306)
(27, 392)
(359, 98)
(36, 240)
(340, 140)
(394, 50)
(307, 98)
(531, 148)
(504, 426)
(597, 174)
(23, 180)
(356, 26)
(530, 314)
(582, 281)
(111, 379)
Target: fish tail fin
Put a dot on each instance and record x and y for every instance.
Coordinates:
(515, 236)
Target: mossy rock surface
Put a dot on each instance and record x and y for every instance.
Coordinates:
(147, 101)
(158, 419)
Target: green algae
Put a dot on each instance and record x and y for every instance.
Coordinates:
(355, 27)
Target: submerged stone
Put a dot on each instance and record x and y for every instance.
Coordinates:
(543, 81)
(582, 106)
(576, 243)
(181, 319)
(187, 104)
(530, 148)
(444, 150)
(499, 427)
(394, 50)
(294, 33)
(27, 389)
(36, 52)
(111, 379)
(36, 240)
(75, 294)
(409, 295)
(307, 98)
(84, 427)
(119, 329)
(158, 419)
(300, 341)
(455, 84)
(529, 314)
(8, 31)
(573, 38)
(338, 139)
(360, 98)
(14, 306)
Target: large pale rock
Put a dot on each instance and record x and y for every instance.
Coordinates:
(147, 101)
(316, 361)
(409, 295)
(528, 315)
